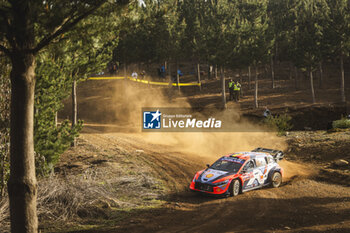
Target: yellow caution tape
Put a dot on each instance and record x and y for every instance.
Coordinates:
(187, 84)
(104, 78)
(138, 80)
(144, 81)
(159, 83)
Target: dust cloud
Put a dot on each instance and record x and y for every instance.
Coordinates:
(116, 107)
(293, 170)
(130, 99)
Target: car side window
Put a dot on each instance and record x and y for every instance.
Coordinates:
(269, 159)
(260, 162)
(250, 165)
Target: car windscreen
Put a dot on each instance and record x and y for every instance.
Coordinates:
(226, 165)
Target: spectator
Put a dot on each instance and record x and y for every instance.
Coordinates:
(236, 91)
(266, 112)
(230, 88)
(239, 90)
(142, 74)
(134, 75)
(162, 71)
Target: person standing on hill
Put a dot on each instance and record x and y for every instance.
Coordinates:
(267, 112)
(162, 71)
(230, 88)
(236, 91)
(134, 75)
(143, 74)
(180, 73)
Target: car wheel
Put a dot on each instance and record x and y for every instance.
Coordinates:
(235, 188)
(276, 179)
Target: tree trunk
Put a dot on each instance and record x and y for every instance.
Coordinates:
(169, 73)
(321, 75)
(199, 75)
(312, 87)
(241, 81)
(125, 75)
(272, 73)
(177, 76)
(249, 78)
(209, 71)
(2, 175)
(56, 119)
(216, 71)
(296, 78)
(290, 71)
(22, 185)
(74, 108)
(223, 86)
(342, 80)
(256, 104)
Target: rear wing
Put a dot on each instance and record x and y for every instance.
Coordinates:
(276, 154)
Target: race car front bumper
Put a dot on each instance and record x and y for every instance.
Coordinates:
(209, 188)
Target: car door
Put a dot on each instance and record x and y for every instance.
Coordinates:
(261, 170)
(249, 180)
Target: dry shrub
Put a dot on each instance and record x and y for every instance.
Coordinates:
(82, 196)
(4, 213)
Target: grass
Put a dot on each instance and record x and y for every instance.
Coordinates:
(343, 123)
(281, 123)
(97, 197)
(116, 216)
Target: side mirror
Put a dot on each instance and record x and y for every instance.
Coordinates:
(244, 170)
(208, 165)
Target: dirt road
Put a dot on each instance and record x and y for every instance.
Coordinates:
(302, 204)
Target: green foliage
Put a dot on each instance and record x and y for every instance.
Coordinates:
(337, 28)
(343, 123)
(89, 47)
(50, 141)
(281, 123)
(236, 33)
(224, 32)
(69, 55)
(146, 34)
(73, 59)
(305, 21)
(255, 39)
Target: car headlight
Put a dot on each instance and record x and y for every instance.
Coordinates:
(222, 183)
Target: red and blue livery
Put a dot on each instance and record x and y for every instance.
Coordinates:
(239, 172)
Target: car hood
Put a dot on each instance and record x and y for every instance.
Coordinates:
(211, 175)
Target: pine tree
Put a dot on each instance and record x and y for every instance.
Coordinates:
(337, 35)
(26, 27)
(307, 36)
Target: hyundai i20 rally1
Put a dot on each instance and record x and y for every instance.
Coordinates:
(240, 172)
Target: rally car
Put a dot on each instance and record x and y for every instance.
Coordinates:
(239, 172)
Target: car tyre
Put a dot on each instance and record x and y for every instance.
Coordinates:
(235, 188)
(276, 179)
